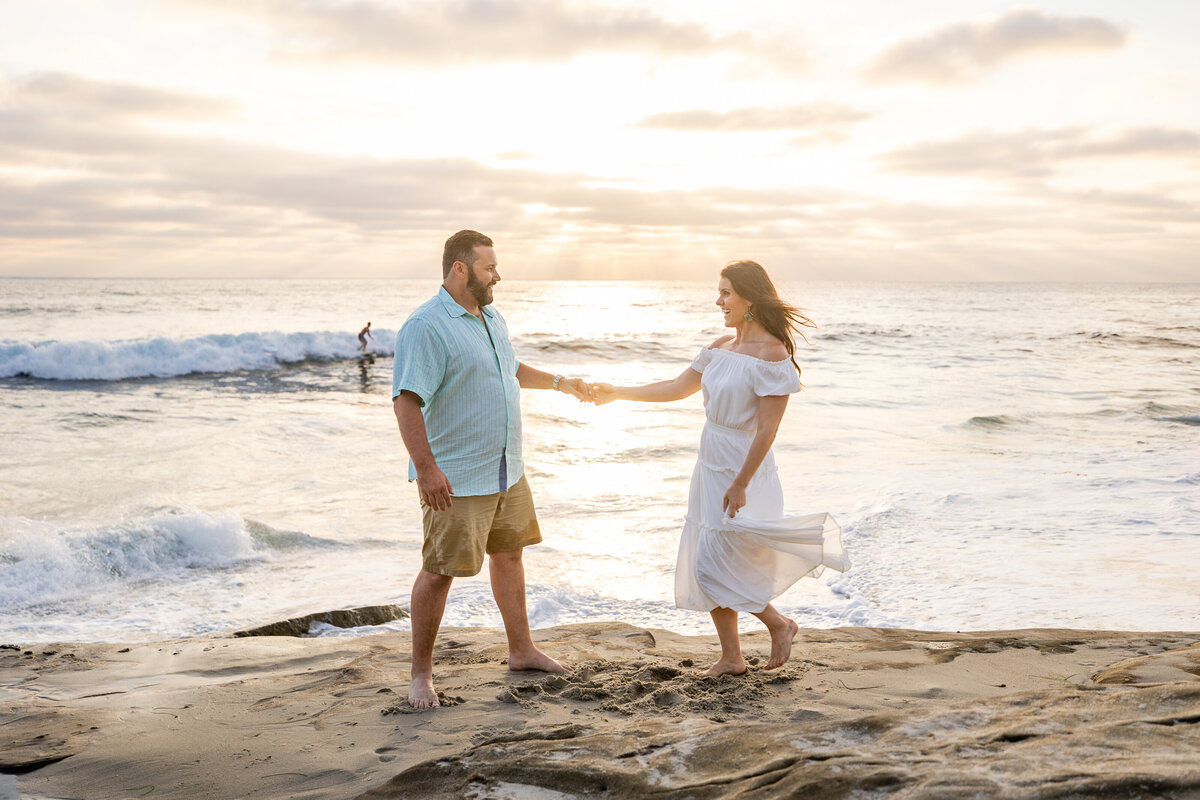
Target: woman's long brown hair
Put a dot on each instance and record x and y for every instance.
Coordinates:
(781, 319)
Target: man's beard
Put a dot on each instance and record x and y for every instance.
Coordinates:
(480, 290)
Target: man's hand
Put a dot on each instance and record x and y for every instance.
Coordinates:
(577, 387)
(434, 488)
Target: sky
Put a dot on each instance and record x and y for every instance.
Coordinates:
(929, 140)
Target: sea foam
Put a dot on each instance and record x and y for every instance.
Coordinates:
(165, 357)
(41, 563)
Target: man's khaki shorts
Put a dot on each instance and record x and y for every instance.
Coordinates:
(457, 538)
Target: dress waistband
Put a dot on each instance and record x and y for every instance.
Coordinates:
(727, 429)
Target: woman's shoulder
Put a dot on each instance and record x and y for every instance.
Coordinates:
(771, 352)
(720, 342)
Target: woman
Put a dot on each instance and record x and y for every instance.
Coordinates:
(738, 550)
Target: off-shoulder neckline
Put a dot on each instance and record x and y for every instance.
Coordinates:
(747, 355)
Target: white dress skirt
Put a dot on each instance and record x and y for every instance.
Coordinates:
(744, 562)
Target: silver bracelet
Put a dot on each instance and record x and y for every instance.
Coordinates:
(557, 379)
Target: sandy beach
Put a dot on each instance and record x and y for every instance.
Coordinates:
(857, 712)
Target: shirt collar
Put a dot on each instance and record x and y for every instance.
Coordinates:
(453, 309)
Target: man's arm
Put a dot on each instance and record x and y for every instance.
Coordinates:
(531, 378)
(432, 484)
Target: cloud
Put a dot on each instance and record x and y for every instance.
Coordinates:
(1146, 141)
(108, 195)
(447, 32)
(145, 173)
(1142, 206)
(128, 179)
(965, 51)
(1024, 154)
(1036, 153)
(110, 100)
(818, 116)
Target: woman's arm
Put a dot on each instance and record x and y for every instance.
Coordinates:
(770, 414)
(686, 384)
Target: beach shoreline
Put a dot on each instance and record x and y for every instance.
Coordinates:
(1023, 713)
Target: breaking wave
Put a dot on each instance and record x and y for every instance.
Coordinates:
(98, 360)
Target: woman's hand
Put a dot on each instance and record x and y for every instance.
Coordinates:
(603, 393)
(734, 499)
(578, 388)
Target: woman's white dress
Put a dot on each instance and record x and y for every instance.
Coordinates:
(745, 561)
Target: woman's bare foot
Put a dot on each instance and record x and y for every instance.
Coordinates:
(534, 659)
(723, 667)
(781, 643)
(421, 694)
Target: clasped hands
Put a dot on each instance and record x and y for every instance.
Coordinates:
(585, 392)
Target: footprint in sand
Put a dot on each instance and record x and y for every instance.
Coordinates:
(637, 687)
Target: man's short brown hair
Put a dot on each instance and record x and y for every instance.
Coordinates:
(461, 247)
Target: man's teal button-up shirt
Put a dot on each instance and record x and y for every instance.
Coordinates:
(469, 393)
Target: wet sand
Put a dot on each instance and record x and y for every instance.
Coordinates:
(857, 712)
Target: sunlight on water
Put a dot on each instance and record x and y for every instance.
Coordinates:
(998, 456)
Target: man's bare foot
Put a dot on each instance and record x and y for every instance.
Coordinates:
(534, 659)
(421, 694)
(781, 644)
(723, 667)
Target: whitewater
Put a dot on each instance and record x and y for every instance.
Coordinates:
(183, 458)
(163, 357)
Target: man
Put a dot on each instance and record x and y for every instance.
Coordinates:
(362, 337)
(455, 390)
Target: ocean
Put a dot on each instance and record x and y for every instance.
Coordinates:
(188, 457)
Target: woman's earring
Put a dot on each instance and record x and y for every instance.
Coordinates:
(748, 316)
